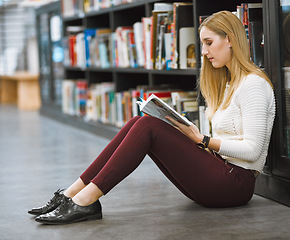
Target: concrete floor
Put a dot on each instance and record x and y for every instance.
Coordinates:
(39, 155)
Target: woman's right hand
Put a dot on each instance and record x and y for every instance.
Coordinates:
(191, 131)
(194, 134)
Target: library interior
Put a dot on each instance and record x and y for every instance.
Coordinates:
(73, 73)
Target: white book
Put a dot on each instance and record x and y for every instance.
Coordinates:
(155, 107)
(120, 117)
(138, 33)
(80, 50)
(187, 48)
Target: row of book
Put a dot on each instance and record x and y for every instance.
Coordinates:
(100, 103)
(166, 40)
(251, 15)
(71, 8)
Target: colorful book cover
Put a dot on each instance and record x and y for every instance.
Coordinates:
(89, 36)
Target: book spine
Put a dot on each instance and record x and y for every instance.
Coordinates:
(256, 42)
(80, 50)
(147, 23)
(72, 53)
(173, 64)
(132, 49)
(89, 36)
(139, 39)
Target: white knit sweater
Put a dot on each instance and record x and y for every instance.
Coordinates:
(245, 126)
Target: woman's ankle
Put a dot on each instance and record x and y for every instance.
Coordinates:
(88, 195)
(74, 189)
(82, 201)
(68, 194)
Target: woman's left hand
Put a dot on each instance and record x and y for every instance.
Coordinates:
(191, 131)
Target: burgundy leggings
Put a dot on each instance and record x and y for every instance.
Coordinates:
(203, 177)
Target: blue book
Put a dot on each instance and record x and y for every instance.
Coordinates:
(90, 34)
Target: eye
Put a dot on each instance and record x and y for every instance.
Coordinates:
(208, 43)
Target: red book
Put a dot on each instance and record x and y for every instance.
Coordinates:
(72, 52)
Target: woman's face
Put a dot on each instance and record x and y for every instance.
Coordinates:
(215, 48)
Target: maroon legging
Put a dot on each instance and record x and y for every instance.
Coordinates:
(203, 177)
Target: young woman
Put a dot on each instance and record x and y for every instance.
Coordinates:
(241, 107)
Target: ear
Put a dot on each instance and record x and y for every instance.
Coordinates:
(228, 41)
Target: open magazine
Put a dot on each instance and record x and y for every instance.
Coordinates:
(155, 107)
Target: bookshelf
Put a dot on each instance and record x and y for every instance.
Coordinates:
(274, 183)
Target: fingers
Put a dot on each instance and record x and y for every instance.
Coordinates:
(176, 123)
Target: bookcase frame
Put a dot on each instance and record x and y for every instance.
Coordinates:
(272, 183)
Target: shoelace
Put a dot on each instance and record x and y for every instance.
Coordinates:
(63, 203)
(56, 194)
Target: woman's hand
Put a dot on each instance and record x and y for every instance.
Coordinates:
(191, 131)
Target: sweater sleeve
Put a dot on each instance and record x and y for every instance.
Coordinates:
(253, 97)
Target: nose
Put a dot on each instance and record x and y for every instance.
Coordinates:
(204, 50)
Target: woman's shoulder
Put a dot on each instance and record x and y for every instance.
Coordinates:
(255, 81)
(253, 78)
(255, 85)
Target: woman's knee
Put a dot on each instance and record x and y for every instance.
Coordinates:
(148, 121)
(134, 119)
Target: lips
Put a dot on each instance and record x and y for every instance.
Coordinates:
(211, 59)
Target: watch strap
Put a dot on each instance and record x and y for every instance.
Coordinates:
(205, 141)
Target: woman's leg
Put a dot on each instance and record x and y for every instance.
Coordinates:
(99, 162)
(73, 189)
(197, 173)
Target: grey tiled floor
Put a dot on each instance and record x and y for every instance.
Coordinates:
(39, 155)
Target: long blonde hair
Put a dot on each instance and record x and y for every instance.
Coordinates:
(212, 80)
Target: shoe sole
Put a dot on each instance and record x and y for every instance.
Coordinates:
(35, 214)
(86, 218)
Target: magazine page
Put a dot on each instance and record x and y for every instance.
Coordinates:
(155, 107)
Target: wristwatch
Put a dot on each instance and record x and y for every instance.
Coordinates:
(205, 141)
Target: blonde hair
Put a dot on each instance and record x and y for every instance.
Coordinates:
(212, 80)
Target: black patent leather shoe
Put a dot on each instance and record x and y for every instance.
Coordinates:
(51, 205)
(69, 212)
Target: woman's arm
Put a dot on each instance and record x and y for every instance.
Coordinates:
(254, 99)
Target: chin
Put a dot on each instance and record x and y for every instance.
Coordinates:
(216, 65)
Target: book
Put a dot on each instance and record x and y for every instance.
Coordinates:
(182, 12)
(80, 50)
(256, 33)
(72, 51)
(89, 35)
(155, 107)
(160, 31)
(256, 42)
(168, 41)
(81, 97)
(104, 44)
(132, 49)
(139, 40)
(163, 40)
(135, 94)
(185, 102)
(187, 48)
(122, 59)
(159, 8)
(147, 25)
(68, 97)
